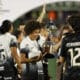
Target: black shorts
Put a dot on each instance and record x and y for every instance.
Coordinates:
(71, 74)
(30, 73)
(8, 72)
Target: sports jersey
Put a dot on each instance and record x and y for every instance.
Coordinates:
(32, 46)
(31, 49)
(70, 50)
(6, 41)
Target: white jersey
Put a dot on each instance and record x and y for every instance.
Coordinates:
(33, 50)
(32, 46)
(6, 40)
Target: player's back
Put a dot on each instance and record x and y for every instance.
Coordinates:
(72, 50)
(5, 41)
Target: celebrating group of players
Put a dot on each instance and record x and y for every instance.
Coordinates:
(22, 54)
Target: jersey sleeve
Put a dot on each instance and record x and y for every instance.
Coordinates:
(13, 42)
(63, 48)
(24, 47)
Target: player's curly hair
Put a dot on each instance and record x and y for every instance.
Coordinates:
(74, 21)
(31, 26)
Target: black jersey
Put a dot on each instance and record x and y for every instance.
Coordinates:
(70, 50)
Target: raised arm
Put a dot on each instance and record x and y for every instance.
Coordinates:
(40, 18)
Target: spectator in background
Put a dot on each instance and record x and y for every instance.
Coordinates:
(21, 28)
(19, 35)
